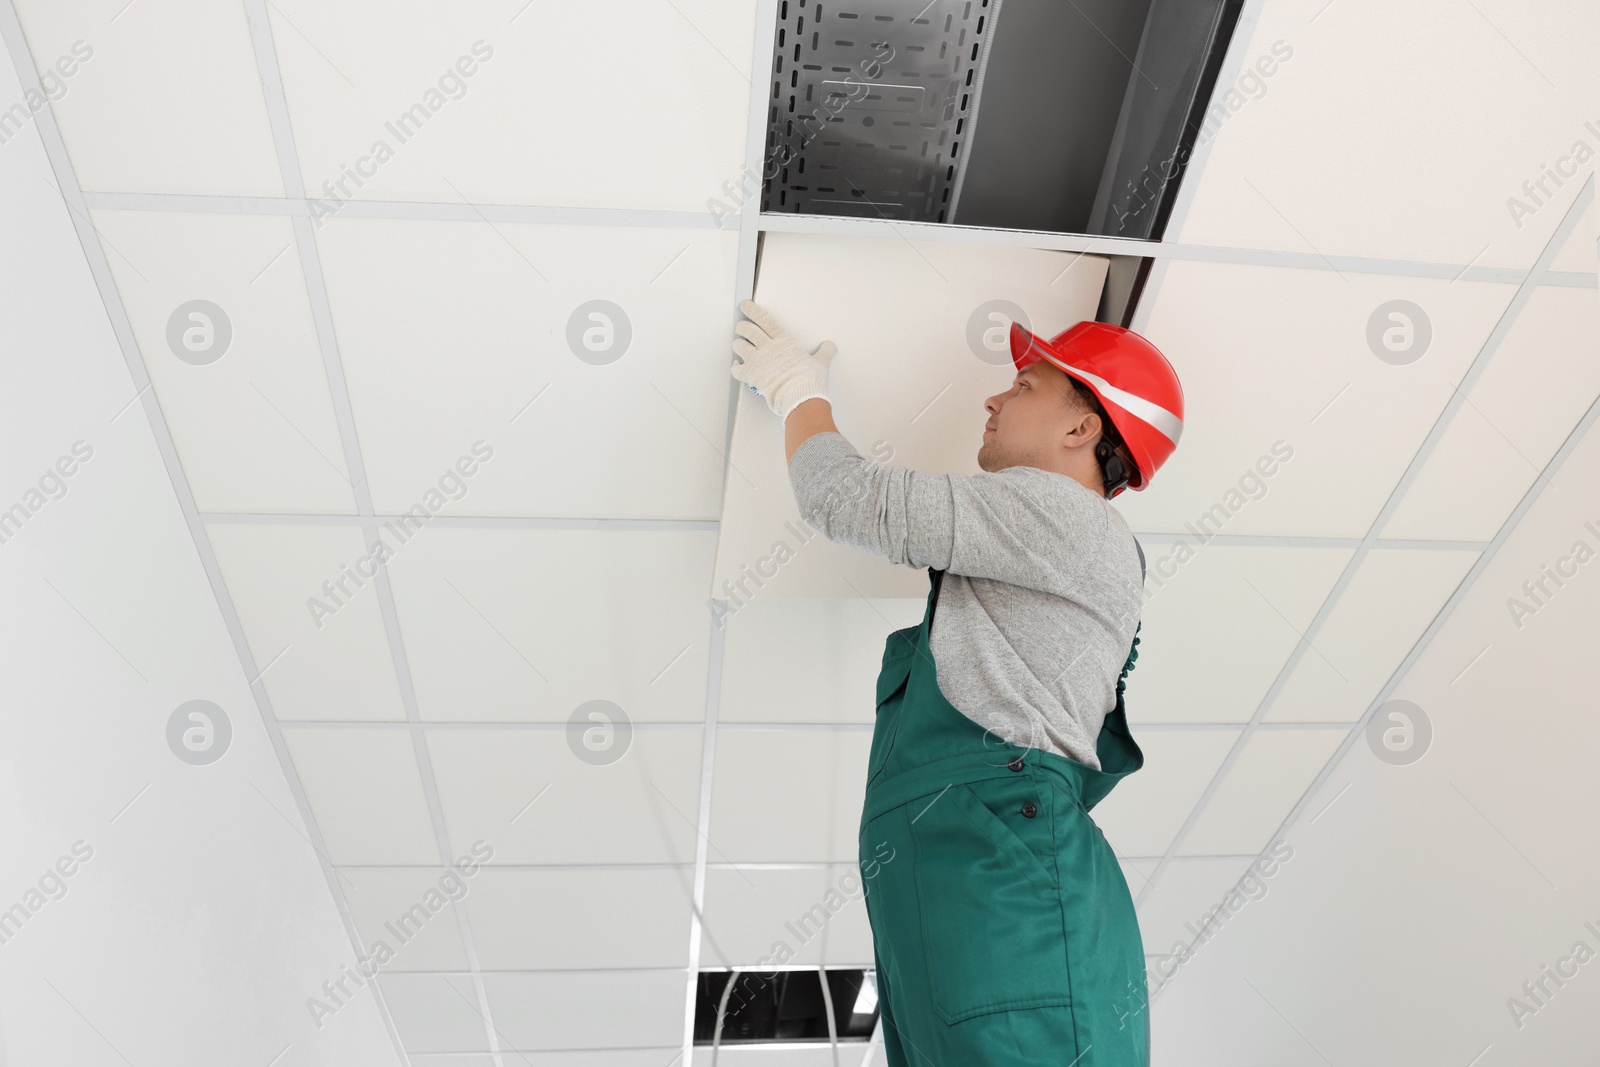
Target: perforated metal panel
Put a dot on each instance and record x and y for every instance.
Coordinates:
(873, 106)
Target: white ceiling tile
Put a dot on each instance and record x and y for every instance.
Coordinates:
(1269, 777)
(574, 919)
(1137, 874)
(907, 386)
(660, 1057)
(1472, 479)
(1579, 252)
(1541, 380)
(788, 795)
(1176, 910)
(1293, 425)
(384, 904)
(255, 429)
(1389, 602)
(1318, 157)
(1146, 809)
(456, 332)
(756, 916)
(807, 660)
(435, 1012)
(1520, 608)
(352, 72)
(1395, 867)
(315, 665)
(168, 99)
(639, 809)
(366, 793)
(527, 625)
(1217, 624)
(588, 1017)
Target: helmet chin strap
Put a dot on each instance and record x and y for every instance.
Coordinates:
(1113, 469)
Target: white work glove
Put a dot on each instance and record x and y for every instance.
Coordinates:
(776, 366)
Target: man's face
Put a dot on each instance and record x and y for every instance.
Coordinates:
(1027, 423)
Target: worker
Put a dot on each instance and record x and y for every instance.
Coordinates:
(1004, 932)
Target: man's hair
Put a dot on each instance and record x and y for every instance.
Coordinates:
(1108, 429)
(1087, 398)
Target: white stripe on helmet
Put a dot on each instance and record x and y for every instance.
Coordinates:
(1168, 424)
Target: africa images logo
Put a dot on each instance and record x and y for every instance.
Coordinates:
(451, 85)
(449, 887)
(452, 485)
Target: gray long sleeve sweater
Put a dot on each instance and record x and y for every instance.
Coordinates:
(1041, 593)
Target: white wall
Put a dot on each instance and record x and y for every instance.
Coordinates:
(201, 920)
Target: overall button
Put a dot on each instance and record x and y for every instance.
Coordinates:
(1030, 809)
(1016, 763)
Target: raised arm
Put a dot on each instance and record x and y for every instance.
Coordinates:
(1023, 525)
(1015, 525)
(812, 417)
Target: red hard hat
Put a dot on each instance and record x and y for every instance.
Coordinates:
(1132, 379)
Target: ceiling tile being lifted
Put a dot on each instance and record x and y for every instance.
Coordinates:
(920, 330)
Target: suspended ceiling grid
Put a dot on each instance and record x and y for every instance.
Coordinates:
(430, 711)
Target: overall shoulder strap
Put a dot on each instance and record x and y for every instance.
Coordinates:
(1133, 657)
(1133, 651)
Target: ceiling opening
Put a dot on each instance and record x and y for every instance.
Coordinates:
(1089, 110)
(773, 1007)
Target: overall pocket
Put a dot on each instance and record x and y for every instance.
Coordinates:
(992, 927)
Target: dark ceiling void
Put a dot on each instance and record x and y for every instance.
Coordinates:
(1090, 110)
(767, 1007)
(1065, 117)
(1052, 92)
(1178, 63)
(870, 106)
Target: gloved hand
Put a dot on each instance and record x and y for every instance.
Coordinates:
(776, 366)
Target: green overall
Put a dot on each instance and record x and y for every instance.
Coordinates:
(1004, 930)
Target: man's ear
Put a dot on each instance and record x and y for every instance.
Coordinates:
(1084, 429)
